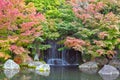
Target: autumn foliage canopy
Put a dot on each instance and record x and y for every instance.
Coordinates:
(20, 24)
(100, 32)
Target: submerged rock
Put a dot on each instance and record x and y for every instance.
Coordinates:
(43, 67)
(10, 64)
(108, 70)
(89, 67)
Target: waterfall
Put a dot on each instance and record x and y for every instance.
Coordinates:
(62, 58)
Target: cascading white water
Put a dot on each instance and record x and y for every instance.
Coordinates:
(62, 58)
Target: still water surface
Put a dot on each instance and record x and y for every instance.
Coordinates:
(56, 73)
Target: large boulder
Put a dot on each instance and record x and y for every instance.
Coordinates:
(89, 67)
(10, 64)
(43, 67)
(108, 70)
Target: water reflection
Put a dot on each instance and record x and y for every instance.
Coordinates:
(43, 73)
(109, 77)
(56, 73)
(70, 73)
(89, 71)
(10, 73)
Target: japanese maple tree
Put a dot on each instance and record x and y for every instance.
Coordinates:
(100, 32)
(20, 24)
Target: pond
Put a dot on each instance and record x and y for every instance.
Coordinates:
(56, 73)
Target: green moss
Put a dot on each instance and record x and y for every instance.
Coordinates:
(26, 66)
(1, 66)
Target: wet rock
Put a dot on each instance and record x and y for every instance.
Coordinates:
(10, 73)
(43, 67)
(10, 64)
(89, 67)
(108, 70)
(115, 63)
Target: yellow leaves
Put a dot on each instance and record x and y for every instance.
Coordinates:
(115, 27)
(103, 35)
(12, 39)
(118, 40)
(111, 17)
(1, 54)
(78, 47)
(7, 56)
(4, 55)
(108, 53)
(4, 44)
(111, 1)
(100, 51)
(99, 43)
(30, 8)
(111, 52)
